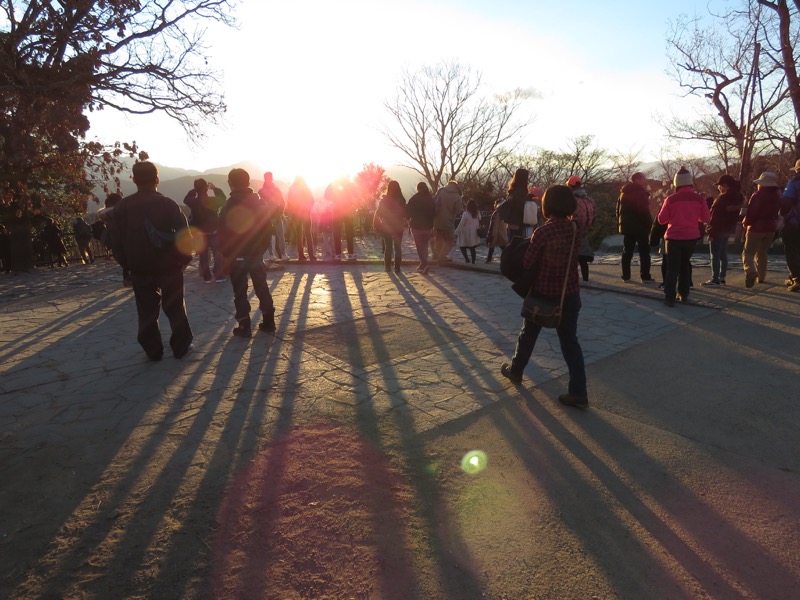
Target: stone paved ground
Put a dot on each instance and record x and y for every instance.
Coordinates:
(352, 341)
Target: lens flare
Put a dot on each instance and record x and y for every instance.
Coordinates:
(474, 462)
(184, 242)
(199, 239)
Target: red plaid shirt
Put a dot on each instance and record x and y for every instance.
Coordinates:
(547, 257)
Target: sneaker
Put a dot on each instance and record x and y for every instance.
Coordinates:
(220, 279)
(242, 332)
(505, 371)
(188, 350)
(682, 299)
(206, 280)
(750, 280)
(711, 282)
(626, 280)
(648, 280)
(268, 326)
(420, 270)
(670, 303)
(576, 401)
(660, 286)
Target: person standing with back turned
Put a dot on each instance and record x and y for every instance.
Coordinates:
(156, 271)
(244, 236)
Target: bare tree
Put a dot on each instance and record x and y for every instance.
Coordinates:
(742, 63)
(445, 128)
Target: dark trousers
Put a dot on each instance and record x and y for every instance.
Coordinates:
(568, 339)
(392, 244)
(85, 249)
(303, 233)
(241, 269)
(422, 237)
(339, 225)
(679, 268)
(628, 243)
(206, 253)
(791, 244)
(156, 291)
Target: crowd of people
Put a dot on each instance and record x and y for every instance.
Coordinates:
(152, 239)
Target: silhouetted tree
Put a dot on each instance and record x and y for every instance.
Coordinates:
(61, 60)
(445, 128)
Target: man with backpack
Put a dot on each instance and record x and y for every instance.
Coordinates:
(790, 210)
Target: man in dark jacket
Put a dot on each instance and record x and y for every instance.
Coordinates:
(205, 218)
(244, 236)
(151, 240)
(635, 220)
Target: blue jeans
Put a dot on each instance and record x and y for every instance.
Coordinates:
(392, 244)
(568, 339)
(679, 268)
(718, 247)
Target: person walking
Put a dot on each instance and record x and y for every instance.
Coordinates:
(682, 213)
(584, 215)
(205, 220)
(420, 211)
(144, 232)
(635, 221)
(724, 213)
(300, 203)
(548, 261)
(51, 236)
(790, 210)
(390, 221)
(467, 231)
(243, 239)
(760, 224)
(448, 206)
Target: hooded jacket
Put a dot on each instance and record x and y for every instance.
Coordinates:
(448, 207)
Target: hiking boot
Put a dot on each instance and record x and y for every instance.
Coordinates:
(242, 331)
(505, 370)
(576, 401)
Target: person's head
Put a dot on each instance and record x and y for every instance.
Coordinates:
(423, 188)
(393, 189)
(683, 178)
(639, 179)
(268, 178)
(200, 186)
(472, 208)
(796, 167)
(727, 183)
(238, 179)
(574, 182)
(768, 179)
(558, 202)
(145, 175)
(519, 180)
(112, 199)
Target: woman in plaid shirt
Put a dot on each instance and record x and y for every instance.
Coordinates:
(548, 259)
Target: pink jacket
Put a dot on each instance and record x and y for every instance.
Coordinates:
(682, 213)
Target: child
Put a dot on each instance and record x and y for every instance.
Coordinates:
(467, 231)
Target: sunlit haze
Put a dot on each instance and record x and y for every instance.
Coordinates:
(305, 81)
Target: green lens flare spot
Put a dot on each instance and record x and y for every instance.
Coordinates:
(474, 462)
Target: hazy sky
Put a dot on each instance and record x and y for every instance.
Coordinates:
(305, 80)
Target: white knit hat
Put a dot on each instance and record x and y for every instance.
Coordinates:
(683, 178)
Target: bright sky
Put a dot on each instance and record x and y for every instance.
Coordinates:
(305, 80)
